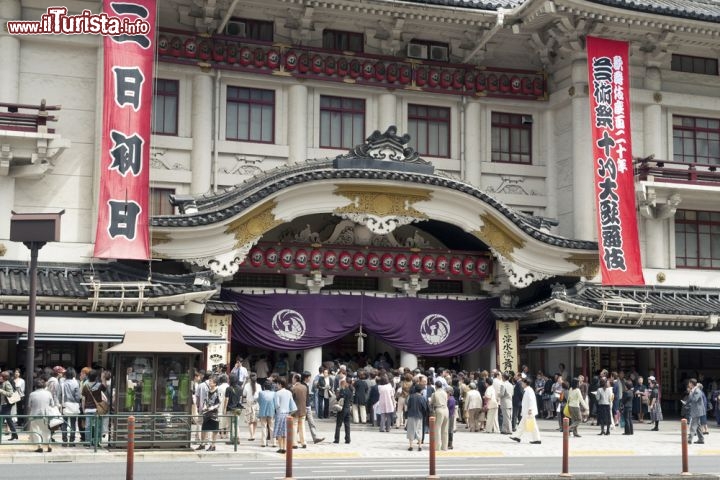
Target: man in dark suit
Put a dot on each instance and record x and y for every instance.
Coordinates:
(427, 390)
(517, 401)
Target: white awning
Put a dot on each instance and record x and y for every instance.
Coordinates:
(105, 329)
(628, 338)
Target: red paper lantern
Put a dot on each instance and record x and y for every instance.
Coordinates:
(316, 259)
(355, 68)
(286, 258)
(405, 74)
(219, 52)
(176, 46)
(163, 45)
(301, 258)
(415, 263)
(387, 262)
(380, 71)
(421, 77)
(342, 67)
(359, 261)
(480, 82)
(330, 259)
(316, 65)
(482, 266)
(368, 70)
(392, 73)
(441, 265)
(291, 61)
(232, 54)
(190, 48)
(468, 266)
(245, 56)
(273, 59)
(204, 50)
(345, 260)
(259, 57)
(303, 63)
(458, 79)
(515, 85)
(527, 86)
(271, 257)
(456, 266)
(446, 78)
(433, 78)
(469, 80)
(256, 257)
(538, 89)
(373, 262)
(401, 263)
(492, 83)
(330, 66)
(505, 83)
(428, 264)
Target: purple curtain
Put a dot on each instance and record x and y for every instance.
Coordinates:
(419, 326)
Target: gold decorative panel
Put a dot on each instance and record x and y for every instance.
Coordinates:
(382, 201)
(3, 250)
(253, 224)
(498, 236)
(588, 265)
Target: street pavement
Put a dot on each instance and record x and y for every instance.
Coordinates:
(368, 442)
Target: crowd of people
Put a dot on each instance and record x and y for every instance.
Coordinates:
(60, 400)
(260, 397)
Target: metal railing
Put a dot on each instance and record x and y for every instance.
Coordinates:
(158, 430)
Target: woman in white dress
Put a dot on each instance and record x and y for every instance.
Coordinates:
(491, 403)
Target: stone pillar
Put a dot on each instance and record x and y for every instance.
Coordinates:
(202, 134)
(297, 123)
(473, 142)
(583, 173)
(312, 359)
(408, 360)
(551, 180)
(9, 92)
(653, 133)
(386, 112)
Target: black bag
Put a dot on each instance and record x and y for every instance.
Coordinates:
(234, 396)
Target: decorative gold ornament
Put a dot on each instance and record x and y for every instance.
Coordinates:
(499, 236)
(382, 201)
(588, 265)
(251, 226)
(3, 250)
(661, 277)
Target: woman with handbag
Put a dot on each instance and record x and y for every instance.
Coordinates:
(93, 404)
(39, 402)
(7, 395)
(210, 413)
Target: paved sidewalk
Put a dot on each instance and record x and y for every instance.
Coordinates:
(369, 442)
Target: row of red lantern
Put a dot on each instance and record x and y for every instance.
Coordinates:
(430, 264)
(425, 76)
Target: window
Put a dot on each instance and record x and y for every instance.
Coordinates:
(344, 41)
(511, 138)
(429, 129)
(165, 107)
(250, 115)
(342, 122)
(696, 140)
(260, 30)
(160, 201)
(688, 64)
(697, 239)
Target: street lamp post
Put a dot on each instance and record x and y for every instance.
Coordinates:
(34, 230)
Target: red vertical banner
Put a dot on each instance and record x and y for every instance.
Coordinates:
(609, 82)
(123, 209)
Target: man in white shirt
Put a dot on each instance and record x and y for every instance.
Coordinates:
(528, 424)
(240, 371)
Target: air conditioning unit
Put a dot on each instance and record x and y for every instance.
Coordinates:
(439, 53)
(417, 50)
(235, 28)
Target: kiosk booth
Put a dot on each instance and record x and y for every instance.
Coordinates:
(153, 382)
